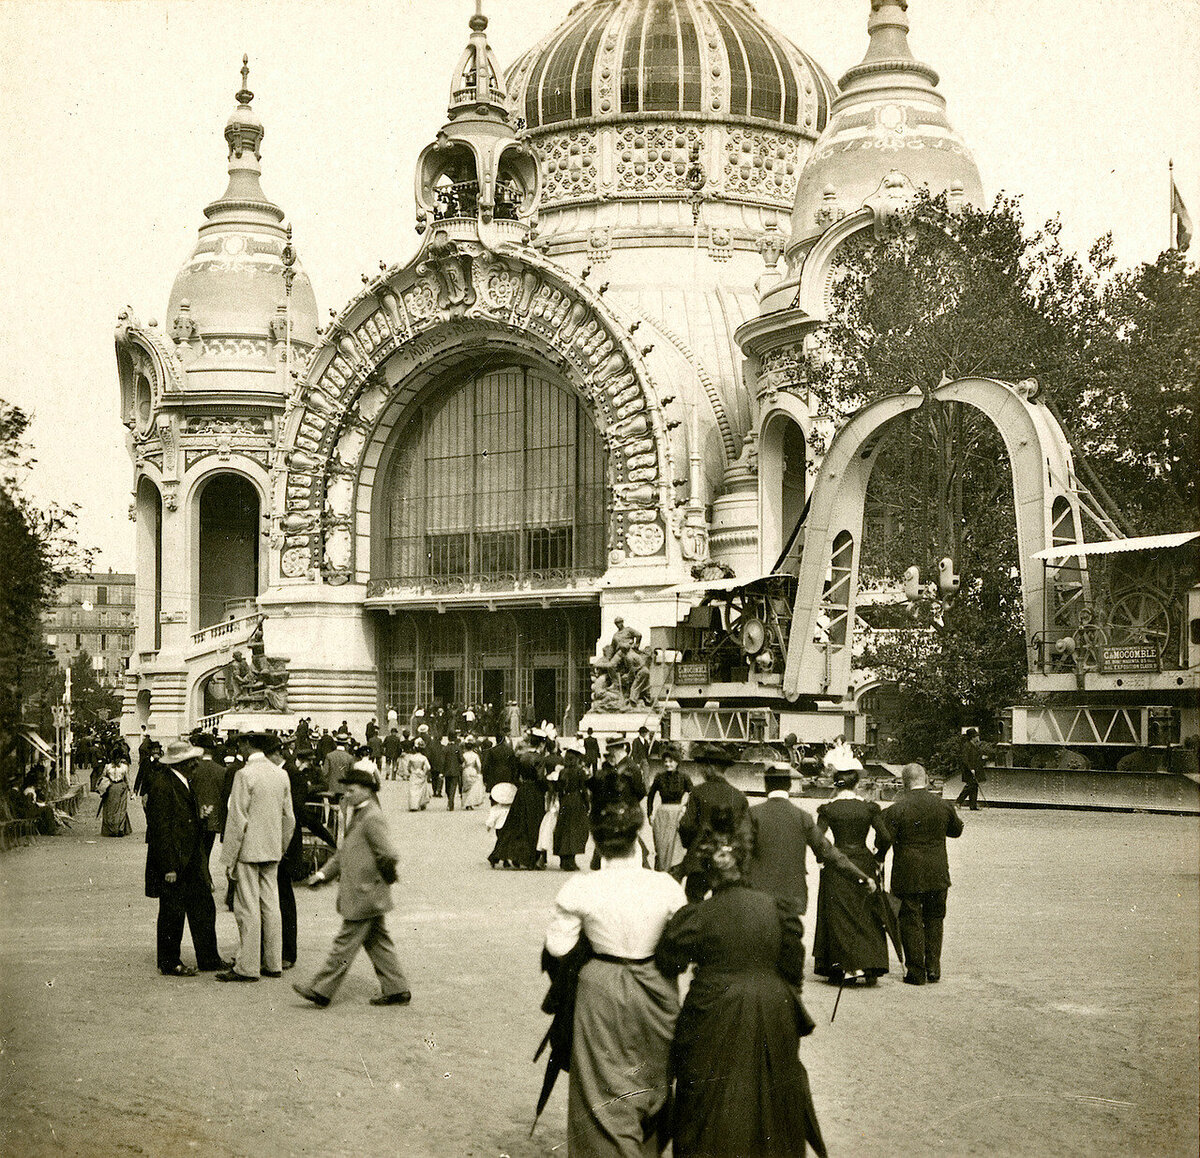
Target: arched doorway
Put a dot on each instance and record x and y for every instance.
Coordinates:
(783, 459)
(148, 594)
(493, 490)
(228, 546)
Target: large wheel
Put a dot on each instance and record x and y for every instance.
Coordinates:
(1139, 618)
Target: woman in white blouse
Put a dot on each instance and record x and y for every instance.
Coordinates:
(625, 1009)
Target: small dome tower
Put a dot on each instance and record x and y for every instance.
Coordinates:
(231, 310)
(477, 172)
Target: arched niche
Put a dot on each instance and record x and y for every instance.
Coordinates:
(149, 589)
(227, 553)
(782, 476)
(819, 660)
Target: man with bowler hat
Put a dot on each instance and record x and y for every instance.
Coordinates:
(177, 865)
(715, 792)
(258, 829)
(365, 868)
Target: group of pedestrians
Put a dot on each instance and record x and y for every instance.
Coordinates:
(721, 1074)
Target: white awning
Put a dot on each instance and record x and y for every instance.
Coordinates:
(1117, 546)
(34, 739)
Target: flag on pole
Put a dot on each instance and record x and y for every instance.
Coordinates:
(1181, 221)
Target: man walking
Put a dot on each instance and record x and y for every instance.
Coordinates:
(177, 865)
(783, 836)
(337, 763)
(365, 868)
(971, 769)
(258, 829)
(916, 828)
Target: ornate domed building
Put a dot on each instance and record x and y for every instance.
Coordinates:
(545, 419)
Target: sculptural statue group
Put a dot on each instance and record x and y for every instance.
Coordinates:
(621, 672)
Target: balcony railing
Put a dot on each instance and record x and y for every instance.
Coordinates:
(543, 579)
(461, 199)
(231, 627)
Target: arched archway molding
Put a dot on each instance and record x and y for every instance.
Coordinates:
(821, 643)
(370, 367)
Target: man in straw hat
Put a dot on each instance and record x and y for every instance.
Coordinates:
(365, 869)
(177, 865)
(257, 830)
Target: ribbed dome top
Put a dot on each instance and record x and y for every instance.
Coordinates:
(612, 59)
(232, 288)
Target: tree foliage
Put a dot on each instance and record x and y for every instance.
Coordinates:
(958, 293)
(38, 550)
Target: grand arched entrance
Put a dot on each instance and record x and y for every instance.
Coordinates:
(492, 509)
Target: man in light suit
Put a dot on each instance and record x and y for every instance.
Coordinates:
(916, 828)
(365, 869)
(783, 834)
(177, 865)
(257, 830)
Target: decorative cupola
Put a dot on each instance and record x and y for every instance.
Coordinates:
(241, 304)
(887, 129)
(478, 172)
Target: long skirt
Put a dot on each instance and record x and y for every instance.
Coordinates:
(620, 1061)
(849, 935)
(419, 792)
(571, 831)
(517, 842)
(473, 794)
(115, 811)
(668, 849)
(740, 1087)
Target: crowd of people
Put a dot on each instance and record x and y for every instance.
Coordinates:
(687, 876)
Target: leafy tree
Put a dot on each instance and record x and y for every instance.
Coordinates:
(37, 550)
(956, 293)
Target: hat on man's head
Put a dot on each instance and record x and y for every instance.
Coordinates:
(714, 755)
(777, 775)
(362, 772)
(177, 751)
(265, 742)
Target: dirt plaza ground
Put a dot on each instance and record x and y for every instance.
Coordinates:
(1065, 1024)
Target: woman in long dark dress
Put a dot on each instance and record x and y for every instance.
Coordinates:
(849, 942)
(664, 806)
(517, 843)
(571, 830)
(740, 1087)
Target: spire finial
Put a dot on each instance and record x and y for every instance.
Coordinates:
(478, 22)
(244, 96)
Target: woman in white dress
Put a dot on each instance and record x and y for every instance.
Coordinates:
(624, 1009)
(473, 794)
(416, 772)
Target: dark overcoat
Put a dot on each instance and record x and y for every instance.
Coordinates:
(174, 840)
(916, 828)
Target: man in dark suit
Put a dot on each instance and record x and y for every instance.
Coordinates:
(970, 769)
(591, 752)
(639, 753)
(177, 865)
(916, 828)
(783, 834)
(714, 792)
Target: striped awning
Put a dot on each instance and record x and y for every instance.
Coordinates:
(1117, 546)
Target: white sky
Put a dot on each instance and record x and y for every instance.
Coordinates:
(111, 145)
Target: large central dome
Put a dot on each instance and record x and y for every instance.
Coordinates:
(627, 58)
(619, 96)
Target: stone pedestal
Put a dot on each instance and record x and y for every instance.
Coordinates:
(620, 725)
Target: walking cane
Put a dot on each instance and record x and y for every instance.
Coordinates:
(841, 986)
